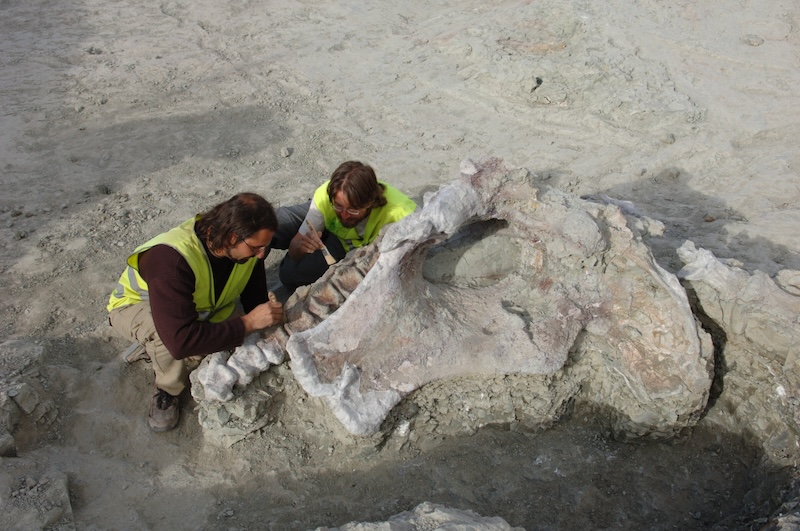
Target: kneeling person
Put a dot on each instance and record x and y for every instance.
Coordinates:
(346, 212)
(178, 293)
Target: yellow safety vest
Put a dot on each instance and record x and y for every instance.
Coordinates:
(397, 206)
(132, 289)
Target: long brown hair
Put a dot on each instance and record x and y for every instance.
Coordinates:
(243, 215)
(359, 184)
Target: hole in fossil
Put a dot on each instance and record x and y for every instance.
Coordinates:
(479, 254)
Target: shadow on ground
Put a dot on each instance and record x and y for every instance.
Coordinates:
(690, 215)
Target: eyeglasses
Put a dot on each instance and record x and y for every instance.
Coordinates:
(351, 211)
(256, 250)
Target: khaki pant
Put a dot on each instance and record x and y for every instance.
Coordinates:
(135, 322)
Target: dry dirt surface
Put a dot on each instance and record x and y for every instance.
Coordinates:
(121, 119)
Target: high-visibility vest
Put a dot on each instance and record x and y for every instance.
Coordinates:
(132, 289)
(396, 208)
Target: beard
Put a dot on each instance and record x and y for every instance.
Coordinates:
(352, 222)
(236, 260)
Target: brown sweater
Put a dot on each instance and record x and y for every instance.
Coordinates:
(171, 284)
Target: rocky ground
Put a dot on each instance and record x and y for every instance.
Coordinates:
(121, 119)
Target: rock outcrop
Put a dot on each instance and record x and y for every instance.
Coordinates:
(757, 319)
(21, 392)
(430, 516)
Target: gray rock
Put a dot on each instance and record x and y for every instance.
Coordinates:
(430, 516)
(8, 446)
(759, 324)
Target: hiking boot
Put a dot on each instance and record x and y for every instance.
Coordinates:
(165, 410)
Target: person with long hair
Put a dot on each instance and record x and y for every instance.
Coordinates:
(177, 297)
(346, 212)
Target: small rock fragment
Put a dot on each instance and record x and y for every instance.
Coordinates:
(752, 40)
(8, 446)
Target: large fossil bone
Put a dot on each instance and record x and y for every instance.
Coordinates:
(488, 278)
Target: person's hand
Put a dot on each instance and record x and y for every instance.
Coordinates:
(303, 244)
(264, 315)
(315, 238)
